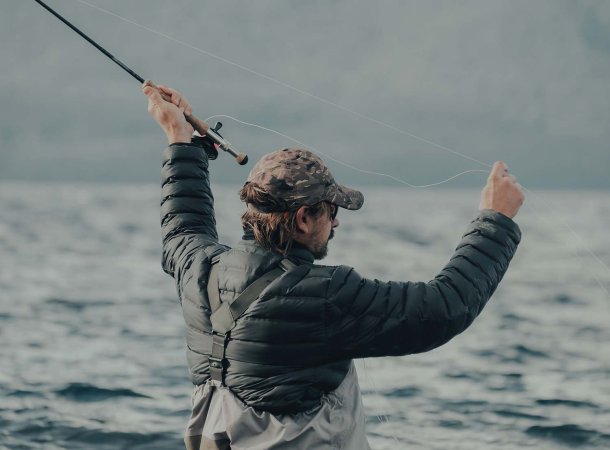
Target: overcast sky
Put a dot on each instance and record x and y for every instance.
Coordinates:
(526, 82)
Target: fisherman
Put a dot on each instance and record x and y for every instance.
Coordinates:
(271, 336)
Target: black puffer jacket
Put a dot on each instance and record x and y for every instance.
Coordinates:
(296, 342)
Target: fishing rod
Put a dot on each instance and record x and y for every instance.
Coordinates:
(199, 125)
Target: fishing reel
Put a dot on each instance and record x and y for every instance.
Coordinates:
(212, 140)
(206, 142)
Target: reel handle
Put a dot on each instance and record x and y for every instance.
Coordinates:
(204, 129)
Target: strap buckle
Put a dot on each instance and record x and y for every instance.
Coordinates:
(217, 369)
(215, 363)
(217, 360)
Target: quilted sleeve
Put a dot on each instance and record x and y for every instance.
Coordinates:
(188, 225)
(368, 317)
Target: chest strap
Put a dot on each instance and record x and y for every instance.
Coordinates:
(225, 314)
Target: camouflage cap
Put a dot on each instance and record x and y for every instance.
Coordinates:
(297, 177)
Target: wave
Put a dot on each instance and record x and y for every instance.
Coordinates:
(42, 433)
(569, 434)
(564, 402)
(84, 392)
(122, 439)
(518, 414)
(402, 392)
(77, 305)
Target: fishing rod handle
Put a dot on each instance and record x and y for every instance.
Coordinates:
(203, 128)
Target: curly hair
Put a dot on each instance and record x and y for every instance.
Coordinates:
(273, 226)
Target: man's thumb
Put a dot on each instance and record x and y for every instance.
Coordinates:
(152, 93)
(498, 170)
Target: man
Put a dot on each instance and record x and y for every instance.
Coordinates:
(271, 336)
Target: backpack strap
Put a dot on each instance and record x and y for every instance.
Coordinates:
(225, 314)
(213, 293)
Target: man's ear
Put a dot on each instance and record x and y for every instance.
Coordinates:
(303, 220)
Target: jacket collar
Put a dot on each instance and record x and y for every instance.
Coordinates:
(300, 253)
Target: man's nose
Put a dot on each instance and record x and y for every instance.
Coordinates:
(335, 223)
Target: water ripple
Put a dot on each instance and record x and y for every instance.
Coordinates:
(569, 434)
(84, 392)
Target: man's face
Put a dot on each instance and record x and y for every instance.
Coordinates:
(322, 232)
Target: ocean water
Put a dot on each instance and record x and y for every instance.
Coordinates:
(91, 336)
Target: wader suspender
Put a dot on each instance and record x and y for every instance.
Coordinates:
(225, 314)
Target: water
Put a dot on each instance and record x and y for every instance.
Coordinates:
(92, 353)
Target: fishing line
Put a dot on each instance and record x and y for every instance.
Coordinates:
(287, 85)
(579, 240)
(531, 195)
(320, 99)
(343, 163)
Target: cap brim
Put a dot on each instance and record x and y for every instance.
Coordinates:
(346, 198)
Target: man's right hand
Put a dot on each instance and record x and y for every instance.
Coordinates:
(171, 116)
(502, 193)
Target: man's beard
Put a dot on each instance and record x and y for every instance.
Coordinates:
(322, 252)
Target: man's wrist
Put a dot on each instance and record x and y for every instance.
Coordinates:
(178, 138)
